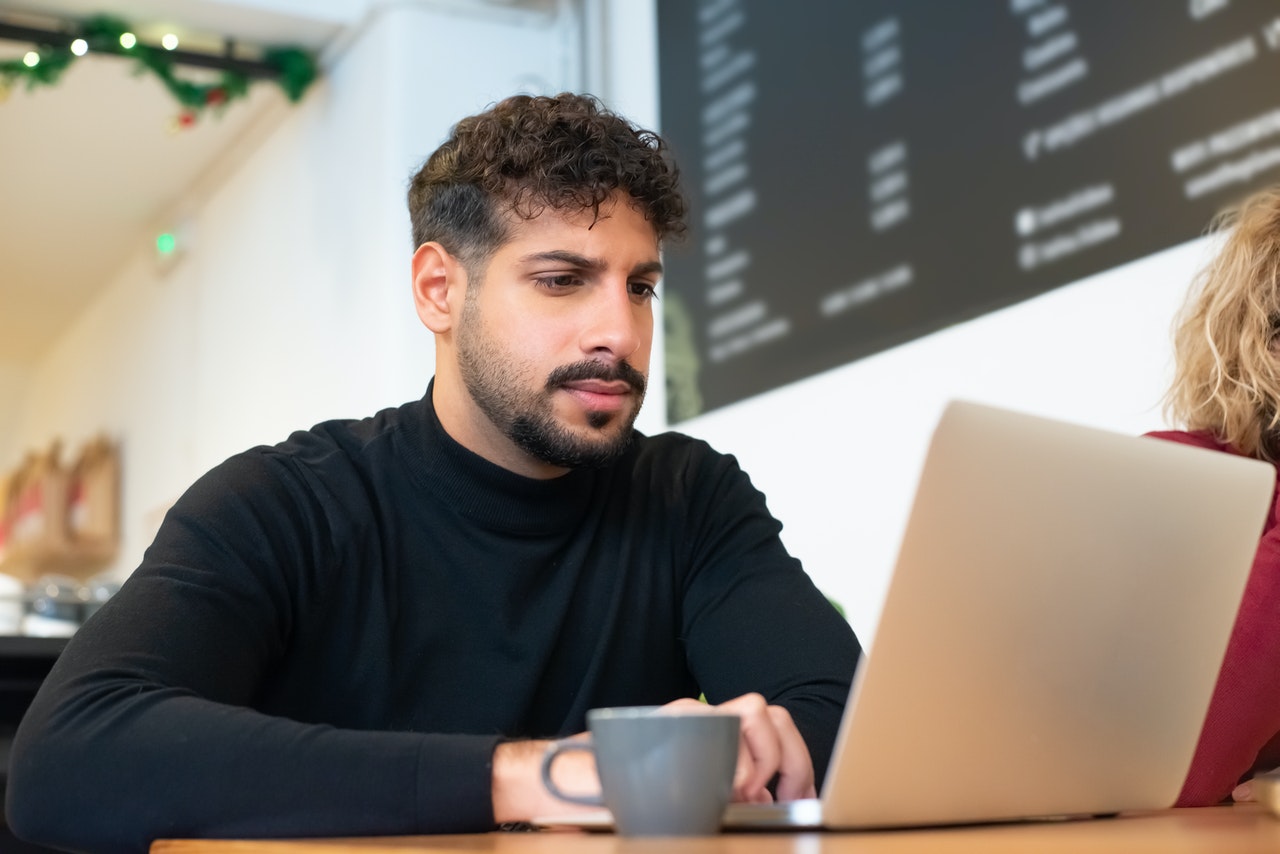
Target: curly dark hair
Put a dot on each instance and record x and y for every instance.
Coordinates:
(526, 154)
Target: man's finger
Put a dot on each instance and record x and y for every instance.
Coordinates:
(760, 743)
(795, 770)
(744, 789)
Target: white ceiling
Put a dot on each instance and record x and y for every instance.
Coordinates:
(91, 166)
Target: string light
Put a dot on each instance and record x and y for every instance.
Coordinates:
(291, 68)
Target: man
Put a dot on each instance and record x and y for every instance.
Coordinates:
(373, 627)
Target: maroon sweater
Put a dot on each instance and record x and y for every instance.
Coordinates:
(1241, 734)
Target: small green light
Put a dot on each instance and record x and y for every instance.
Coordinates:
(166, 243)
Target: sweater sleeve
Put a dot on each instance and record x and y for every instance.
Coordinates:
(1244, 713)
(146, 726)
(754, 621)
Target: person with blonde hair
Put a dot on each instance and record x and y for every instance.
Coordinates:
(1225, 395)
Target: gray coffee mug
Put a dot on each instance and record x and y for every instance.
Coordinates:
(661, 773)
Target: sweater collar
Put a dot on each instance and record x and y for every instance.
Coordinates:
(488, 493)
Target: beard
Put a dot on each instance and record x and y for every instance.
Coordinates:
(501, 387)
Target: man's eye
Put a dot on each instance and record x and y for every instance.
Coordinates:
(644, 290)
(558, 282)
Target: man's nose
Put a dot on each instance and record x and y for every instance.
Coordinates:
(616, 324)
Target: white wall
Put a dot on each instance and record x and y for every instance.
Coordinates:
(14, 382)
(293, 306)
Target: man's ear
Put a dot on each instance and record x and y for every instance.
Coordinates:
(436, 275)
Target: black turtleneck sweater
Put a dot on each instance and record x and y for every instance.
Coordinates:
(329, 636)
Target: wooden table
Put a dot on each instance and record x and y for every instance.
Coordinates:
(1241, 829)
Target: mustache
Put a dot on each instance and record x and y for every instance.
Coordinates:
(592, 370)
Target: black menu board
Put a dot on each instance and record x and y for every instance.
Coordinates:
(863, 172)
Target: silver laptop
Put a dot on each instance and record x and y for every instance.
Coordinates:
(1052, 632)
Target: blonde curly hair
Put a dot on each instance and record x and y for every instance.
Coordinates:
(1227, 359)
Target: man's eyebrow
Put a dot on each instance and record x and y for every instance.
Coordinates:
(563, 256)
(582, 262)
(647, 267)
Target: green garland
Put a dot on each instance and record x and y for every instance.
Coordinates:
(296, 70)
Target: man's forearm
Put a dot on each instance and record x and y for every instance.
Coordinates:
(518, 792)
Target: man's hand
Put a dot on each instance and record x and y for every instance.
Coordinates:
(769, 745)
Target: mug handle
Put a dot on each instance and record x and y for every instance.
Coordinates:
(555, 750)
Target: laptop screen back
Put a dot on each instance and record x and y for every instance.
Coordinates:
(1053, 630)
